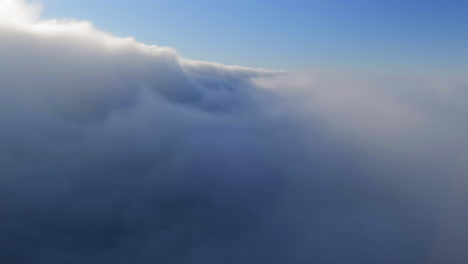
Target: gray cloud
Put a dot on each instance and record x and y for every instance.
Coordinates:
(112, 151)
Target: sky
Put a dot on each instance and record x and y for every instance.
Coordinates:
(397, 36)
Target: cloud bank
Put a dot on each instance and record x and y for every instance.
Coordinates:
(113, 151)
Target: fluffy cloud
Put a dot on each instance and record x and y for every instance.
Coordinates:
(113, 151)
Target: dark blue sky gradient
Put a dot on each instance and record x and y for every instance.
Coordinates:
(422, 36)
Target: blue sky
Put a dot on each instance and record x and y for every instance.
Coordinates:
(422, 36)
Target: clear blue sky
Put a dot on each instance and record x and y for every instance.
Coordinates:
(292, 35)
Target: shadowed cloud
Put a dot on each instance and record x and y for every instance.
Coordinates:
(113, 151)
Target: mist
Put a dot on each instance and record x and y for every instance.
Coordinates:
(114, 151)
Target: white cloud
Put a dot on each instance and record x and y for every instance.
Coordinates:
(114, 151)
(18, 12)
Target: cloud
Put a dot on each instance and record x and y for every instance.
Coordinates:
(113, 151)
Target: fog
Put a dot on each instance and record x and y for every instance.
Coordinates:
(114, 151)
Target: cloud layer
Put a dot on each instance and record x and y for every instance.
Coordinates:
(113, 151)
